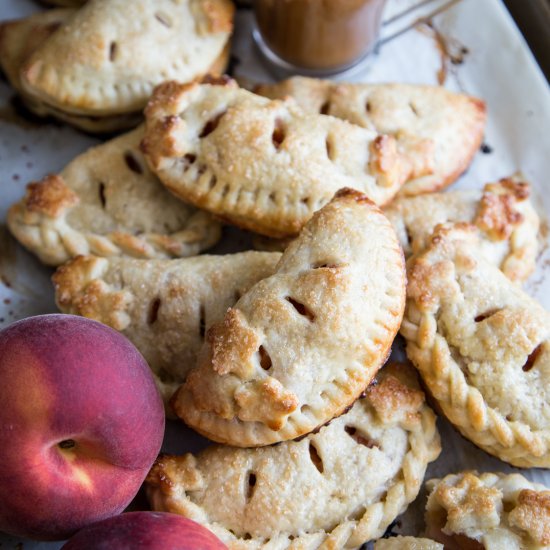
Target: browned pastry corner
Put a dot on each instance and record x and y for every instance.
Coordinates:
(501, 213)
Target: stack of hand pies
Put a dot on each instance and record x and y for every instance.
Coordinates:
(277, 355)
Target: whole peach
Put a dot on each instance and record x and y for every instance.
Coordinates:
(81, 422)
(145, 531)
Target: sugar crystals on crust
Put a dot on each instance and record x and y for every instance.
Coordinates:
(300, 346)
(490, 510)
(108, 56)
(336, 488)
(482, 346)
(502, 213)
(21, 38)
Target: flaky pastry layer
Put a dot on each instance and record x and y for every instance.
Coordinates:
(407, 543)
(506, 221)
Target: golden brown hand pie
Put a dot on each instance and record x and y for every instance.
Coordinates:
(334, 489)
(107, 202)
(163, 306)
(427, 121)
(482, 346)
(18, 40)
(267, 244)
(493, 511)
(98, 65)
(300, 346)
(260, 164)
(502, 213)
(22, 37)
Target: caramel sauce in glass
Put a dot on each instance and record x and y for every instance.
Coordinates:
(324, 35)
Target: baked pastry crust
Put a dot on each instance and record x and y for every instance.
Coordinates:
(260, 164)
(110, 54)
(305, 494)
(163, 307)
(482, 347)
(502, 213)
(407, 543)
(426, 120)
(22, 37)
(107, 202)
(496, 510)
(267, 244)
(300, 346)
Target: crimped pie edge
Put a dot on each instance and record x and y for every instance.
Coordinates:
(424, 447)
(462, 403)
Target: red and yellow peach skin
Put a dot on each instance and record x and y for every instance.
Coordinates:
(81, 422)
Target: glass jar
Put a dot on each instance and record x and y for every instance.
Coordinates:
(317, 36)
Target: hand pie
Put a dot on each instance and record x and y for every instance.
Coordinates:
(107, 202)
(260, 164)
(507, 222)
(163, 306)
(491, 511)
(108, 56)
(482, 347)
(427, 121)
(300, 346)
(18, 40)
(406, 543)
(336, 488)
(267, 244)
(505, 218)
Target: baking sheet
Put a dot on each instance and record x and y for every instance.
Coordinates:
(473, 45)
